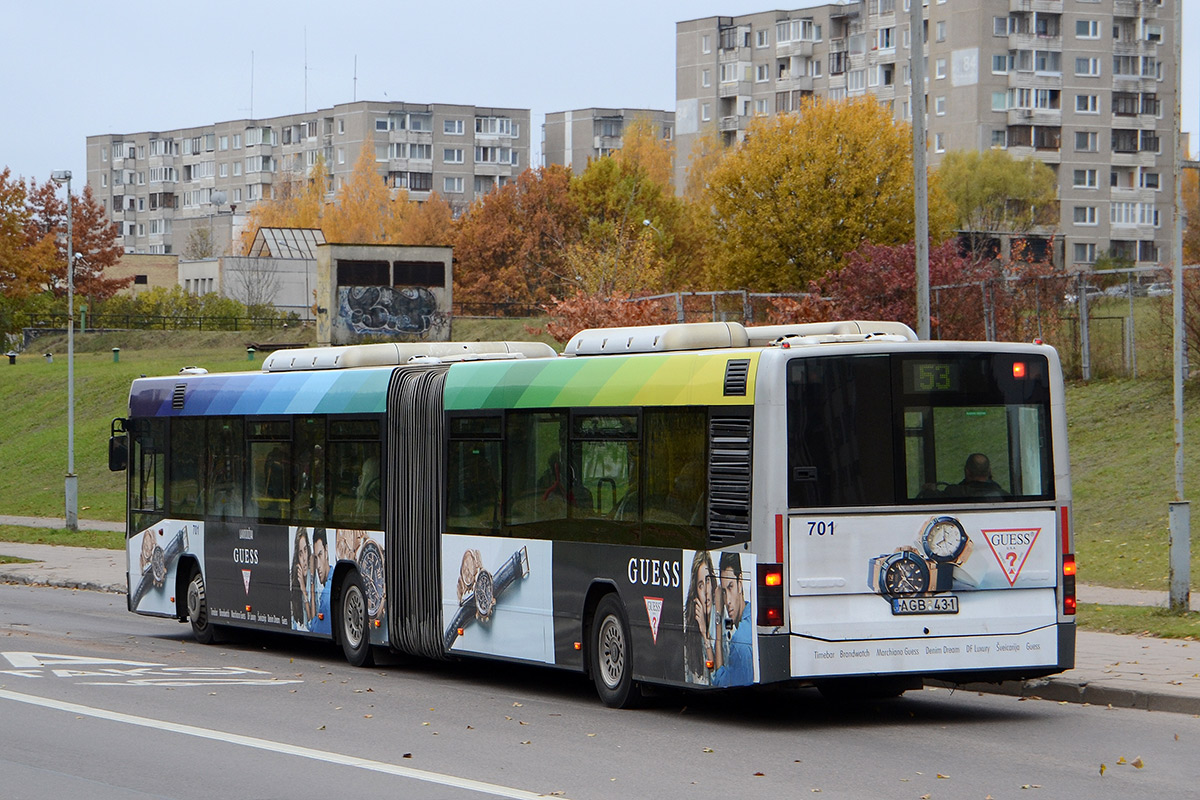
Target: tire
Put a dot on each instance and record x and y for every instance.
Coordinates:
(611, 656)
(197, 609)
(353, 623)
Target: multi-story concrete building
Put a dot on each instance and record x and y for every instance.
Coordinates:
(159, 186)
(1087, 86)
(572, 137)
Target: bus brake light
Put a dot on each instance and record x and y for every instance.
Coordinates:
(1068, 584)
(1018, 369)
(770, 595)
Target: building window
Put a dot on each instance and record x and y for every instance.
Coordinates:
(940, 31)
(452, 127)
(1001, 63)
(939, 106)
(1084, 179)
(939, 143)
(1150, 180)
(705, 112)
(452, 155)
(940, 67)
(1000, 139)
(1000, 101)
(1085, 215)
(762, 73)
(1087, 141)
(706, 78)
(453, 185)
(1087, 67)
(762, 38)
(1087, 103)
(1087, 29)
(1085, 252)
(706, 43)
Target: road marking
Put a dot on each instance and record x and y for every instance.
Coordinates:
(133, 673)
(274, 747)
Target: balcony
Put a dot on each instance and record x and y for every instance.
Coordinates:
(1035, 80)
(796, 48)
(1035, 116)
(788, 82)
(727, 124)
(1040, 6)
(606, 142)
(734, 89)
(1134, 159)
(1134, 8)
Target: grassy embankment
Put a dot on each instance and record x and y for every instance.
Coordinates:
(1120, 433)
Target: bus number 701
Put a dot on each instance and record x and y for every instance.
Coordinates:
(820, 528)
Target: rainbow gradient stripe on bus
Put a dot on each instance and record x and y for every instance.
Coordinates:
(361, 391)
(676, 379)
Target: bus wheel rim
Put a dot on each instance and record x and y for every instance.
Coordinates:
(612, 652)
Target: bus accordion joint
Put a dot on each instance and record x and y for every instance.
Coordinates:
(770, 595)
(1068, 570)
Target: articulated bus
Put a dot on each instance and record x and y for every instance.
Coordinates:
(698, 506)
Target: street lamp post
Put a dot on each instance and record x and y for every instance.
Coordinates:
(71, 486)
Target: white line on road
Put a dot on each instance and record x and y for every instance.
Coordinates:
(275, 747)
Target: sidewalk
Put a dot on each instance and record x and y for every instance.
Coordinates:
(1122, 671)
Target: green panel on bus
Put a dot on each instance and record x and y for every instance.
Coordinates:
(674, 379)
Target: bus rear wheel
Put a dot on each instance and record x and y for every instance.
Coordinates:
(611, 656)
(197, 609)
(353, 622)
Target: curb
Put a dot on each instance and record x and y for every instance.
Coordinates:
(59, 583)
(1065, 690)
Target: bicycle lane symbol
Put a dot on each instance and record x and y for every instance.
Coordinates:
(113, 672)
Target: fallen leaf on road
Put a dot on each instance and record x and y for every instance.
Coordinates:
(709, 750)
(1138, 763)
(759, 775)
(407, 755)
(1102, 768)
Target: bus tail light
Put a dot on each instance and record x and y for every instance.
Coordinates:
(770, 595)
(1068, 570)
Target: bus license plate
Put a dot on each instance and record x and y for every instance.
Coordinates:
(943, 604)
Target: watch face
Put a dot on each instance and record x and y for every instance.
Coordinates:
(944, 539)
(906, 575)
(370, 566)
(485, 594)
(158, 566)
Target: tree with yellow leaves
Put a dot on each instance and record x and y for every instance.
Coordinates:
(296, 202)
(805, 189)
(361, 206)
(643, 147)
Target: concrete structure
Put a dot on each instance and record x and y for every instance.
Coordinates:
(1087, 86)
(160, 186)
(147, 271)
(374, 292)
(572, 137)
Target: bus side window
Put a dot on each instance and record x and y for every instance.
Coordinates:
(148, 487)
(676, 493)
(225, 467)
(185, 494)
(473, 470)
(354, 477)
(308, 465)
(539, 483)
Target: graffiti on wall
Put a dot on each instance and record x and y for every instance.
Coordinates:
(384, 311)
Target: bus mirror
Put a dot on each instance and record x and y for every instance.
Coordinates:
(118, 446)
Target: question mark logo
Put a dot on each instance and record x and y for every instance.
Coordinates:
(1011, 558)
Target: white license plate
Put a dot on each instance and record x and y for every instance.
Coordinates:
(942, 604)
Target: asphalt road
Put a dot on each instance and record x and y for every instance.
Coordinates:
(99, 703)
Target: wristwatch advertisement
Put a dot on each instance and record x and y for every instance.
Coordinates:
(911, 572)
(484, 591)
(162, 558)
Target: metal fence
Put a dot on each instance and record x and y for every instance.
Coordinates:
(151, 322)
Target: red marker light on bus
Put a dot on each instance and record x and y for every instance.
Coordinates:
(1068, 583)
(1018, 369)
(773, 579)
(770, 595)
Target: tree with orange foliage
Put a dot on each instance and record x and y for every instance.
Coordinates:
(707, 152)
(22, 260)
(510, 247)
(296, 202)
(94, 241)
(428, 223)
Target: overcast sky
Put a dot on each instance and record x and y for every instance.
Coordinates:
(80, 68)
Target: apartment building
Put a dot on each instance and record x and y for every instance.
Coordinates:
(1086, 86)
(159, 186)
(572, 137)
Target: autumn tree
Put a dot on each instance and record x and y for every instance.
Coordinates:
(804, 189)
(411, 223)
(994, 193)
(642, 146)
(511, 246)
(362, 204)
(707, 151)
(94, 241)
(296, 202)
(22, 258)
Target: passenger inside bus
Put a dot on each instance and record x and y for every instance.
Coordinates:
(977, 479)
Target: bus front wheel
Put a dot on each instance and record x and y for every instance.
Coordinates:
(611, 656)
(353, 622)
(197, 609)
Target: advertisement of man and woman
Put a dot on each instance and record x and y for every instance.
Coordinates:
(690, 613)
(313, 555)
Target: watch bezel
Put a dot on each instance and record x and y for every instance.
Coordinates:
(932, 525)
(893, 562)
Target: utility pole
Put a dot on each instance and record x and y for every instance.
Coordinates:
(920, 179)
